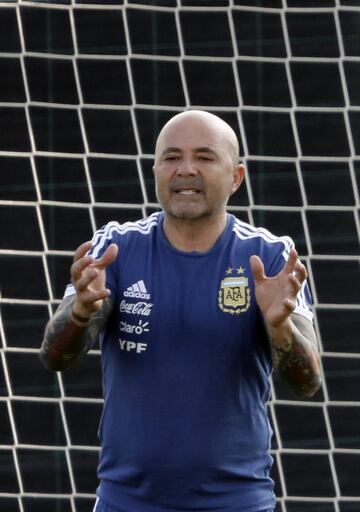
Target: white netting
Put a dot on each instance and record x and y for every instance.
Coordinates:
(84, 89)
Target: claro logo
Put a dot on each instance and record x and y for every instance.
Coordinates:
(139, 329)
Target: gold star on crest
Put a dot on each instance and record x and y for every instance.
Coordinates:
(229, 271)
(240, 270)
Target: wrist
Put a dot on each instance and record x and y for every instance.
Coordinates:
(280, 332)
(79, 320)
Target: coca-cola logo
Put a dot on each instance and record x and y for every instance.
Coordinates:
(137, 308)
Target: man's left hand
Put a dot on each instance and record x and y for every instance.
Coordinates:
(276, 296)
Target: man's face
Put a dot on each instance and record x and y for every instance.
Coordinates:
(195, 171)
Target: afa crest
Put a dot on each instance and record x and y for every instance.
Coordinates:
(234, 295)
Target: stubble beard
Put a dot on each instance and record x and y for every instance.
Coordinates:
(204, 208)
(193, 213)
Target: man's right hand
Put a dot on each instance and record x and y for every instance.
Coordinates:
(89, 279)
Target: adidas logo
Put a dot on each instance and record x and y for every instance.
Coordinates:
(137, 290)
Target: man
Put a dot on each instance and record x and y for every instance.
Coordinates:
(191, 306)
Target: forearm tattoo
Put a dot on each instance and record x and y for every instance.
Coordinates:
(64, 341)
(297, 364)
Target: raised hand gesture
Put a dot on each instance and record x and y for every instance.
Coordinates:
(74, 328)
(276, 296)
(293, 341)
(88, 277)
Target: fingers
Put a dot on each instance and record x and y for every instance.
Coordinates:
(291, 262)
(294, 267)
(79, 266)
(87, 299)
(85, 270)
(108, 257)
(86, 278)
(300, 271)
(257, 268)
(82, 250)
(82, 261)
(297, 277)
(290, 305)
(295, 270)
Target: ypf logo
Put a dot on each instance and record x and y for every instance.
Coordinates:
(132, 346)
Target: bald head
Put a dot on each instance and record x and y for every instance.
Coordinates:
(201, 121)
(196, 167)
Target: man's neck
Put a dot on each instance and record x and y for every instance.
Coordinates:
(197, 235)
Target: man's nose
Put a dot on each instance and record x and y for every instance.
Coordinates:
(187, 168)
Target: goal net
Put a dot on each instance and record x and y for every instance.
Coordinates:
(84, 88)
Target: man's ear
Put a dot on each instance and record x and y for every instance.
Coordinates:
(238, 176)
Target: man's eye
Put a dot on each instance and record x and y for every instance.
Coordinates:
(171, 157)
(205, 158)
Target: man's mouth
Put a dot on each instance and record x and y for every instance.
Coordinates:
(188, 192)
